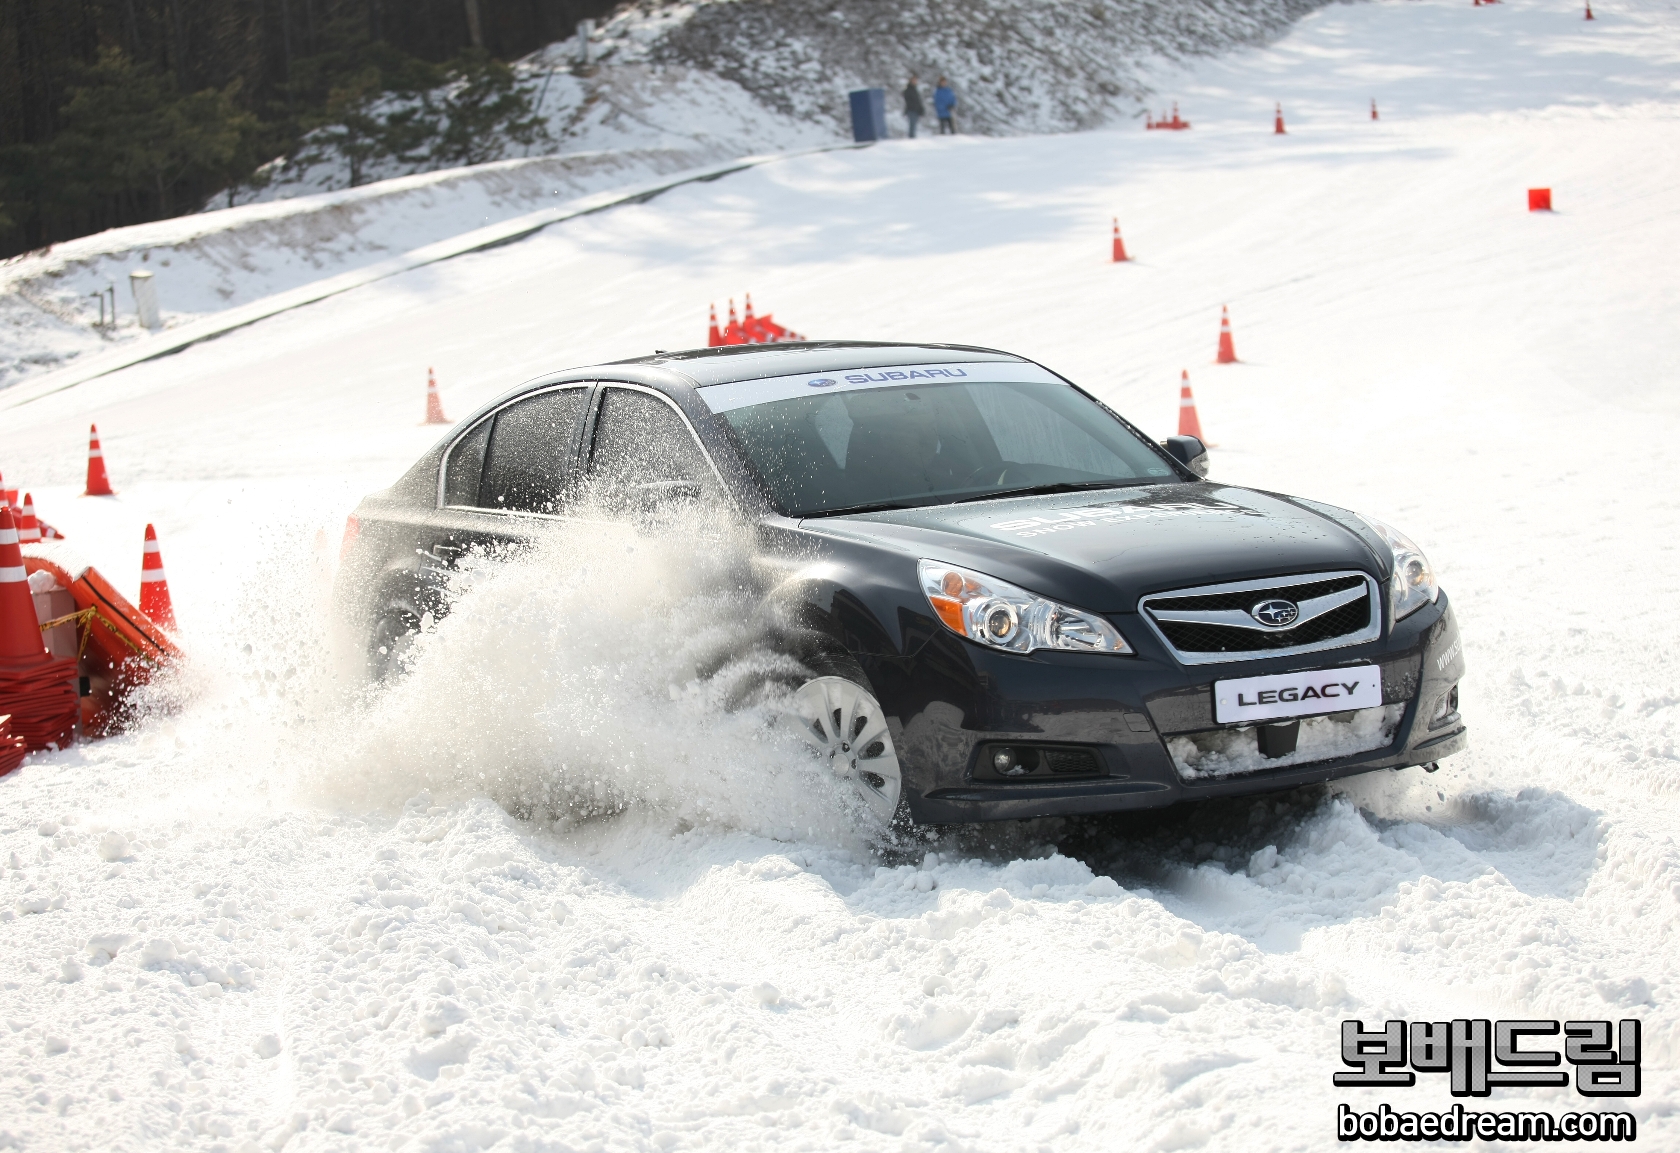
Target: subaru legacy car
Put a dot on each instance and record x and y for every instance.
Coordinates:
(1007, 601)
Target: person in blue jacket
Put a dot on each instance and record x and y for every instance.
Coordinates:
(945, 103)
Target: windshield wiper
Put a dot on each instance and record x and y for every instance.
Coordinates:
(1058, 486)
(877, 506)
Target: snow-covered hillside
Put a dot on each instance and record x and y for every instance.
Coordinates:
(321, 929)
(669, 86)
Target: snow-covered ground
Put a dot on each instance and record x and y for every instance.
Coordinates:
(315, 927)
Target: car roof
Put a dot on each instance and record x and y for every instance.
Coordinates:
(708, 366)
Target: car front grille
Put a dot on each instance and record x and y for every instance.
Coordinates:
(1352, 618)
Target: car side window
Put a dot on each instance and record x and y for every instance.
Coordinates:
(644, 453)
(465, 466)
(528, 464)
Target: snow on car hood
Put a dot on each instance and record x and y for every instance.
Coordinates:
(1103, 549)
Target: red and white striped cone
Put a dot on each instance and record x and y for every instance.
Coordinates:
(1188, 423)
(732, 333)
(1373, 109)
(36, 690)
(98, 483)
(154, 586)
(749, 323)
(1278, 130)
(1227, 348)
(1119, 245)
(434, 405)
(1590, 16)
(20, 631)
(714, 334)
(28, 528)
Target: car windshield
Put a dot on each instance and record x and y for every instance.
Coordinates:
(938, 443)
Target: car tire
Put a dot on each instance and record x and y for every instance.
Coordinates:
(836, 714)
(389, 640)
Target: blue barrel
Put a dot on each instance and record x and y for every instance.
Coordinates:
(869, 114)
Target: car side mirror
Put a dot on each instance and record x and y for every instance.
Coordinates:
(1188, 451)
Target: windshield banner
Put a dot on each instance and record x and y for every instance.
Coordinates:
(745, 393)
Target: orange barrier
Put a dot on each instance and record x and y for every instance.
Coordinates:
(1539, 199)
(1174, 125)
(120, 647)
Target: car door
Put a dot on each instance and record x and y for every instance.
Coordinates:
(643, 456)
(515, 468)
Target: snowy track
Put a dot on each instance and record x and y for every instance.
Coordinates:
(364, 950)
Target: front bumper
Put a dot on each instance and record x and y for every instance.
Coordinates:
(953, 697)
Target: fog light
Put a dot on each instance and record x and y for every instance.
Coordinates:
(1007, 764)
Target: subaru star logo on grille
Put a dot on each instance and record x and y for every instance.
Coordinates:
(1275, 613)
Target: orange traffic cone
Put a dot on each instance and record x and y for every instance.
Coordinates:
(1278, 131)
(434, 405)
(36, 690)
(749, 323)
(1589, 10)
(714, 336)
(732, 331)
(21, 646)
(28, 528)
(154, 586)
(1373, 109)
(1188, 424)
(98, 483)
(1227, 349)
(1119, 245)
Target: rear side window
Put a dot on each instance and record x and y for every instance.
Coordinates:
(642, 446)
(528, 466)
(465, 466)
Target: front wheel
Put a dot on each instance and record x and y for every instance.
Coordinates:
(845, 726)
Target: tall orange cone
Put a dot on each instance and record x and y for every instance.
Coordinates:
(28, 528)
(154, 586)
(732, 331)
(1589, 10)
(36, 690)
(434, 405)
(98, 483)
(1119, 245)
(1278, 130)
(1227, 349)
(1373, 109)
(1188, 424)
(749, 323)
(714, 335)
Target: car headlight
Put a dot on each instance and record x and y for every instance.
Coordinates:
(1413, 584)
(1001, 616)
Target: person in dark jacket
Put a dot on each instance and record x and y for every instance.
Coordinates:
(944, 104)
(913, 107)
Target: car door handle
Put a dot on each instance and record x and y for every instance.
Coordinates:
(448, 553)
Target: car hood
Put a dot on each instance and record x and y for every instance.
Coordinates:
(1102, 550)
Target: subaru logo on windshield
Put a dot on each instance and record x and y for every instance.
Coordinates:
(1275, 614)
(821, 382)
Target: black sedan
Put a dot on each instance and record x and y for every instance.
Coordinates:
(1008, 601)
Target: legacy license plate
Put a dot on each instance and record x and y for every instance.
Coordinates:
(1296, 694)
